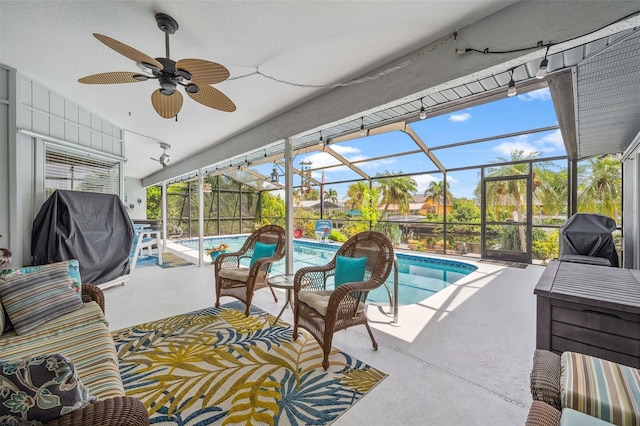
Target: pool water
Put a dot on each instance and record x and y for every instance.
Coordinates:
(419, 277)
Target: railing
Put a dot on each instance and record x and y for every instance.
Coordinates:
(393, 296)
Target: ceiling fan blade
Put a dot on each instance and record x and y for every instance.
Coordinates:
(111, 78)
(213, 98)
(166, 106)
(128, 51)
(203, 72)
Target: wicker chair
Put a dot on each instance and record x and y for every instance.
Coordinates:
(117, 411)
(241, 282)
(345, 305)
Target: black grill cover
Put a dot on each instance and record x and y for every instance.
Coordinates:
(589, 235)
(93, 228)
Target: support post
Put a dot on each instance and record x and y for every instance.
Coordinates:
(288, 199)
(200, 217)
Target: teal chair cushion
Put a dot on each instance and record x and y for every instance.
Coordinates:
(261, 250)
(572, 417)
(349, 269)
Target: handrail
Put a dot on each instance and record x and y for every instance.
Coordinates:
(396, 285)
(393, 296)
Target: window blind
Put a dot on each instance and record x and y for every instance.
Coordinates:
(77, 172)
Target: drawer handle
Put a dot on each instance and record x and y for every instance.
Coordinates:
(606, 314)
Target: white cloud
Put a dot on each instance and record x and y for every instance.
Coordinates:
(423, 182)
(536, 95)
(457, 118)
(554, 139)
(318, 159)
(549, 143)
(506, 148)
(345, 150)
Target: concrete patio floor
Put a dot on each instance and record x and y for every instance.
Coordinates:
(462, 356)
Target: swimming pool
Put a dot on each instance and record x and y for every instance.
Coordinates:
(419, 277)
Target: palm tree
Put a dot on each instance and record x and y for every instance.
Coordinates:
(600, 189)
(396, 190)
(511, 192)
(355, 194)
(551, 191)
(331, 195)
(436, 192)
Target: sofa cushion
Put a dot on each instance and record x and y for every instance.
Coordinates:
(84, 338)
(600, 388)
(3, 319)
(39, 296)
(40, 388)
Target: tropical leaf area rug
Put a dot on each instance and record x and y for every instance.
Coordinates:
(218, 366)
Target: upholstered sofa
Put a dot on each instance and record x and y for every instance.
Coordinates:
(81, 336)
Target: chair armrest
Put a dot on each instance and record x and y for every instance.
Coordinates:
(542, 414)
(93, 293)
(312, 278)
(118, 411)
(228, 260)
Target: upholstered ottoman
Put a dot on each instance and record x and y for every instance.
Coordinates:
(600, 388)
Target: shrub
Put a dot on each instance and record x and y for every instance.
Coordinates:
(337, 236)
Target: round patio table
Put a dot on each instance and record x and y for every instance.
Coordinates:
(285, 282)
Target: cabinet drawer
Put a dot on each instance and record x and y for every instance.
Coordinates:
(560, 345)
(607, 322)
(596, 338)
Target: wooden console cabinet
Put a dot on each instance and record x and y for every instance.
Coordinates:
(594, 310)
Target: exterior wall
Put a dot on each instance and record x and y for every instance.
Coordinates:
(134, 191)
(45, 114)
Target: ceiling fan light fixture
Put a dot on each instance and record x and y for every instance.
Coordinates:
(192, 88)
(184, 74)
(144, 66)
(141, 77)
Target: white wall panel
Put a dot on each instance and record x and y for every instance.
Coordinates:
(40, 98)
(42, 111)
(56, 105)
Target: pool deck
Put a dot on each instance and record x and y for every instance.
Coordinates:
(462, 356)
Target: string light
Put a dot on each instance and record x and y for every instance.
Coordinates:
(423, 112)
(542, 70)
(321, 141)
(274, 174)
(512, 91)
(363, 132)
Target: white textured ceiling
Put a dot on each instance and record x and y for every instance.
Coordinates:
(317, 42)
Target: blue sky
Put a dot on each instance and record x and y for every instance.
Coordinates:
(521, 112)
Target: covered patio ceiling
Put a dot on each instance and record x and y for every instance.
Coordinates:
(335, 66)
(594, 86)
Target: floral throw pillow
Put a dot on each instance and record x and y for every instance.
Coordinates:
(40, 389)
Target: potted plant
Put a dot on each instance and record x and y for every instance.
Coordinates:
(216, 250)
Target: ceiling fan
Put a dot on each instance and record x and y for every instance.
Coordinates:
(164, 158)
(195, 75)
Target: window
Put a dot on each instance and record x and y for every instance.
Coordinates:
(80, 172)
